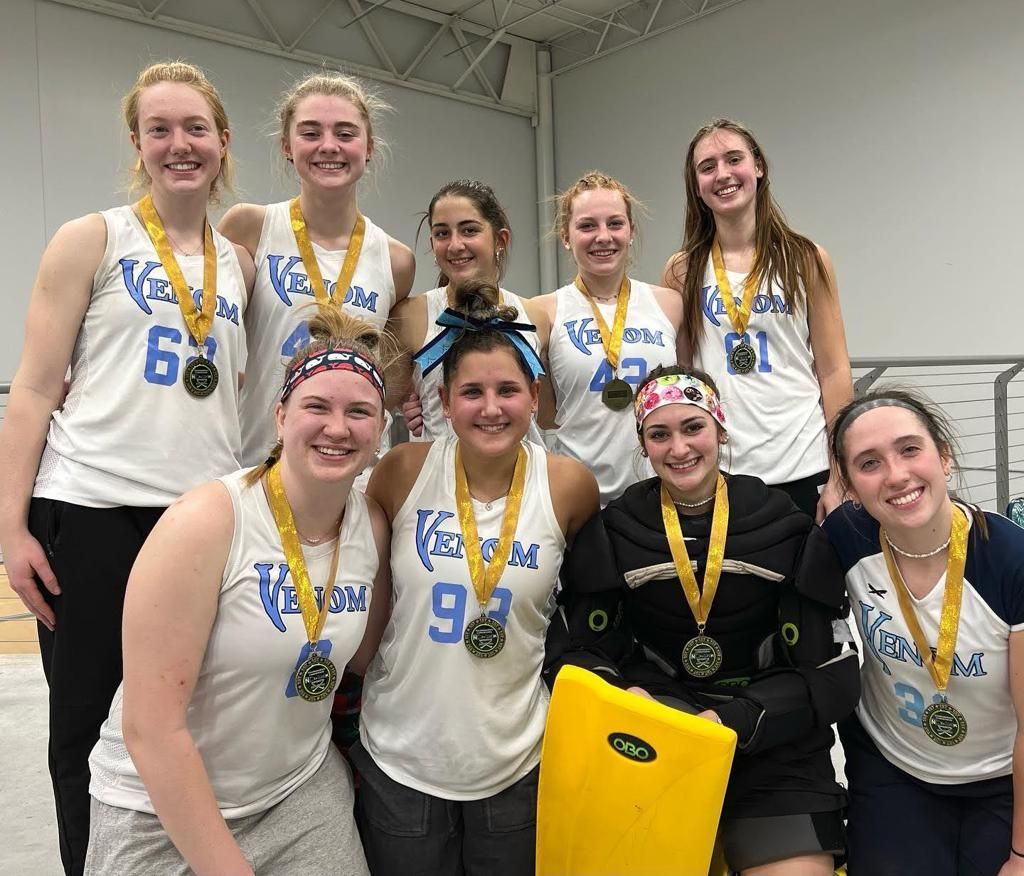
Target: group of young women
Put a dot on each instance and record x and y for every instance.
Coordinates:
(666, 540)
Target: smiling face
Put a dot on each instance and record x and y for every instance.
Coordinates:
(465, 245)
(328, 141)
(177, 138)
(726, 172)
(599, 232)
(683, 444)
(490, 401)
(331, 425)
(895, 470)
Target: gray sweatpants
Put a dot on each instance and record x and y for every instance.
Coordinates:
(310, 831)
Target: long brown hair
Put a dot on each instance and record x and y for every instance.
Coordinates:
(781, 255)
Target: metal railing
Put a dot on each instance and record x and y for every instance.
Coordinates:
(979, 396)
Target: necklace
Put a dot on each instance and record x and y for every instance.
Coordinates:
(694, 504)
(331, 533)
(184, 251)
(911, 556)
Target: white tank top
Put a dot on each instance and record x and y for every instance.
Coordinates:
(128, 433)
(774, 415)
(436, 718)
(276, 324)
(435, 423)
(602, 439)
(258, 739)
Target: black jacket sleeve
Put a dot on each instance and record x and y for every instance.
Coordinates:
(813, 682)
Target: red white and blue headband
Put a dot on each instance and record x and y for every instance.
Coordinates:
(455, 324)
(338, 358)
(677, 389)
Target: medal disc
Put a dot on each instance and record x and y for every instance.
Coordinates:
(316, 678)
(702, 656)
(617, 394)
(484, 637)
(944, 724)
(200, 377)
(742, 358)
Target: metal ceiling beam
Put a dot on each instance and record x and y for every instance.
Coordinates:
(481, 77)
(267, 24)
(371, 35)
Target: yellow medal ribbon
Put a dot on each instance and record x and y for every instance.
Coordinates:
(941, 665)
(698, 600)
(348, 267)
(739, 317)
(485, 580)
(312, 616)
(198, 321)
(610, 338)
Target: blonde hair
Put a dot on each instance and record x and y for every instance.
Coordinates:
(186, 74)
(331, 326)
(590, 181)
(371, 106)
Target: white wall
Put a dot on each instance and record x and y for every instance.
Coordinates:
(894, 131)
(65, 150)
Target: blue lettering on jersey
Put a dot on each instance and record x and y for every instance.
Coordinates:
(432, 541)
(287, 282)
(714, 308)
(143, 288)
(883, 644)
(279, 598)
(582, 336)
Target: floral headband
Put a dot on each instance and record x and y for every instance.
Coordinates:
(677, 389)
(455, 324)
(331, 359)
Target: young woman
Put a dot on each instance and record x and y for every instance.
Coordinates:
(316, 247)
(601, 334)
(935, 753)
(470, 236)
(144, 304)
(454, 705)
(216, 757)
(762, 316)
(747, 638)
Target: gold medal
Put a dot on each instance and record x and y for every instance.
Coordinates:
(316, 677)
(309, 262)
(702, 655)
(200, 376)
(942, 723)
(484, 636)
(742, 358)
(616, 394)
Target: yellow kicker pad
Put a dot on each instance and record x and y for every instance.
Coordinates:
(628, 786)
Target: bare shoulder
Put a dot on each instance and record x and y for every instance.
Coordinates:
(574, 492)
(674, 272)
(378, 520)
(408, 320)
(79, 244)
(671, 302)
(243, 224)
(198, 526)
(565, 470)
(245, 263)
(403, 267)
(394, 475)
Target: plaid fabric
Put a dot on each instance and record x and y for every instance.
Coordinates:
(348, 699)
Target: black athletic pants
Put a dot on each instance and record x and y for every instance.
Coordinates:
(91, 551)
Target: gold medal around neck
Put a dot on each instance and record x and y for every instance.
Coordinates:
(484, 636)
(702, 655)
(317, 676)
(616, 395)
(742, 358)
(309, 262)
(199, 376)
(942, 723)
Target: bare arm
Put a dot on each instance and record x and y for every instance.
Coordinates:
(408, 322)
(380, 603)
(394, 475)
(60, 298)
(541, 312)
(672, 277)
(403, 268)
(831, 362)
(248, 269)
(671, 303)
(169, 611)
(243, 224)
(574, 494)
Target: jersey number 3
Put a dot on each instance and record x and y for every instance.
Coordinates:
(448, 602)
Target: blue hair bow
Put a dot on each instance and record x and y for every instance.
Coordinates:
(455, 323)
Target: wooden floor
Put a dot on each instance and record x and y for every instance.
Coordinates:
(16, 637)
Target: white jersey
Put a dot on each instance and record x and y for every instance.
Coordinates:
(276, 323)
(258, 739)
(128, 432)
(896, 687)
(436, 718)
(602, 439)
(435, 424)
(774, 415)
